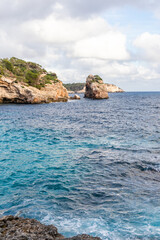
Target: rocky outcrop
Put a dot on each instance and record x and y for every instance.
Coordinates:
(75, 97)
(113, 88)
(95, 88)
(82, 91)
(17, 228)
(19, 92)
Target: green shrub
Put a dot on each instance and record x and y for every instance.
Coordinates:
(8, 64)
(26, 72)
(49, 78)
(1, 70)
(74, 86)
(18, 72)
(31, 77)
(20, 79)
(39, 86)
(97, 77)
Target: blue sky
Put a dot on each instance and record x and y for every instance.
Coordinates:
(119, 40)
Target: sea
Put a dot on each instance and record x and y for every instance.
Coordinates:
(85, 166)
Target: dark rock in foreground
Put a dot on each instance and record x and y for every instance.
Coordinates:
(95, 88)
(17, 228)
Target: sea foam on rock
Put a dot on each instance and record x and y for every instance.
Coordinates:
(95, 88)
(18, 228)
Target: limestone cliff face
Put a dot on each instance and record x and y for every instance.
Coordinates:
(82, 91)
(12, 92)
(95, 88)
(113, 88)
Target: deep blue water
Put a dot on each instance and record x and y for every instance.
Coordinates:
(85, 166)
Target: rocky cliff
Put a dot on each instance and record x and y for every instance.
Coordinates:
(26, 82)
(80, 88)
(95, 88)
(13, 92)
(17, 228)
(113, 88)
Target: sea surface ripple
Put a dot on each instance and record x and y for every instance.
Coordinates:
(85, 166)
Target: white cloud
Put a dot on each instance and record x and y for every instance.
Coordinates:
(110, 45)
(38, 9)
(74, 40)
(90, 38)
(56, 30)
(148, 46)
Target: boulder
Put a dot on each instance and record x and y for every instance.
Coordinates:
(18, 228)
(95, 88)
(75, 97)
(17, 92)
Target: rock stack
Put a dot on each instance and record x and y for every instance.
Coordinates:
(95, 88)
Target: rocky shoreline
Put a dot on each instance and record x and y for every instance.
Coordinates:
(18, 228)
(29, 83)
(13, 92)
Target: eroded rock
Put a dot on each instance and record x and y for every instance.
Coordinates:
(95, 88)
(12, 92)
(113, 88)
(75, 97)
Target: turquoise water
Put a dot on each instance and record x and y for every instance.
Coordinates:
(85, 166)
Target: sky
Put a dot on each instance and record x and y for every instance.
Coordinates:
(116, 39)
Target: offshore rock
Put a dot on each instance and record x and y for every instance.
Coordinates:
(75, 97)
(82, 90)
(16, 92)
(17, 228)
(95, 88)
(113, 88)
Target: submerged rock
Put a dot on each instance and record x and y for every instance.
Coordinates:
(95, 88)
(17, 228)
(16, 92)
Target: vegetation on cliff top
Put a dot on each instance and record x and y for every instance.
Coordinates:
(98, 79)
(74, 86)
(79, 86)
(26, 72)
